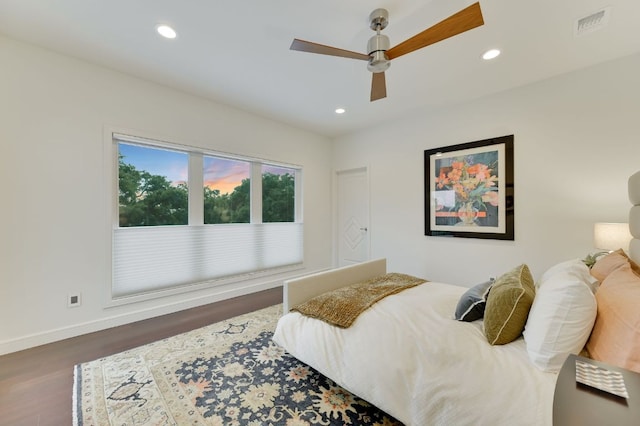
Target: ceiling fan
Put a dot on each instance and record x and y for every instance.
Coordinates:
(380, 55)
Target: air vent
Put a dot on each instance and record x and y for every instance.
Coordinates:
(592, 22)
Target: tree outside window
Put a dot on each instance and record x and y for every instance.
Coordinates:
(153, 195)
(278, 194)
(153, 189)
(227, 189)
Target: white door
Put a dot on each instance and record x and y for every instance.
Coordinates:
(352, 216)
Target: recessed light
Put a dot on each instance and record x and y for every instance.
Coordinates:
(166, 31)
(340, 110)
(491, 54)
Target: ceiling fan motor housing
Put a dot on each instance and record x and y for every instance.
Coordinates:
(376, 48)
(378, 44)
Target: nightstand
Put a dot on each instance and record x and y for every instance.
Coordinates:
(581, 405)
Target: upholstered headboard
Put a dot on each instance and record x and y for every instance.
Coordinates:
(634, 217)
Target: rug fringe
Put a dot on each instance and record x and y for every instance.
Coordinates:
(77, 376)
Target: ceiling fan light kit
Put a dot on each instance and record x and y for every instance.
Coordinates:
(378, 47)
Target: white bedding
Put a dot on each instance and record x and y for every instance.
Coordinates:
(409, 357)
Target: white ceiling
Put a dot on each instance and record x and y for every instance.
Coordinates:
(237, 51)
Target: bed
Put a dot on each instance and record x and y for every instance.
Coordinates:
(409, 356)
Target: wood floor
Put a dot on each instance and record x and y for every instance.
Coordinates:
(36, 384)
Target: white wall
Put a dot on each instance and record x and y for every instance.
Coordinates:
(53, 215)
(577, 140)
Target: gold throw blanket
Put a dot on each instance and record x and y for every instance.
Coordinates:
(342, 306)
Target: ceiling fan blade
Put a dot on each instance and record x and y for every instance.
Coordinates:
(465, 20)
(307, 46)
(378, 86)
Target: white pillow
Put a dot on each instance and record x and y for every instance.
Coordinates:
(573, 266)
(562, 315)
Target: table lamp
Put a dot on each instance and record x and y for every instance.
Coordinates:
(608, 237)
(611, 236)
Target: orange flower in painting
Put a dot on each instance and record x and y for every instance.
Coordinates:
(455, 174)
(442, 180)
(474, 169)
(472, 183)
(460, 191)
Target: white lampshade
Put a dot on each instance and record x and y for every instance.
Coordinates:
(611, 236)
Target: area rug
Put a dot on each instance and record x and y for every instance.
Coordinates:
(228, 373)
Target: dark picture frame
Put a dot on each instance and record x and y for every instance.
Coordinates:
(469, 190)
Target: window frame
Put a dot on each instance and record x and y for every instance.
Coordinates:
(195, 184)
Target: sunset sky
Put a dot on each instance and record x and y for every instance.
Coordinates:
(224, 174)
(219, 173)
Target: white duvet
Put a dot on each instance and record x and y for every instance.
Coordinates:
(409, 357)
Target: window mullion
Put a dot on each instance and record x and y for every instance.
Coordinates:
(196, 189)
(297, 200)
(256, 192)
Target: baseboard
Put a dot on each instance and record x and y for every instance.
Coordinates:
(50, 336)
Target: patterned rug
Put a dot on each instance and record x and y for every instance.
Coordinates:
(228, 373)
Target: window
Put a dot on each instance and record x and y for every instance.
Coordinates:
(227, 187)
(152, 186)
(187, 217)
(278, 194)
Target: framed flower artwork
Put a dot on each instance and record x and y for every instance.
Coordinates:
(469, 189)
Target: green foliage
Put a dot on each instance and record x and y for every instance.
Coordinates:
(228, 208)
(278, 198)
(149, 200)
(240, 203)
(215, 206)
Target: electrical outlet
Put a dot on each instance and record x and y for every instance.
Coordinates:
(74, 300)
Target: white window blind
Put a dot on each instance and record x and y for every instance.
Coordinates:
(155, 258)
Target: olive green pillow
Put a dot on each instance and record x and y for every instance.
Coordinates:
(508, 306)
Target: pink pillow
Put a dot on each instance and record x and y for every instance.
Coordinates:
(615, 338)
(607, 264)
(634, 266)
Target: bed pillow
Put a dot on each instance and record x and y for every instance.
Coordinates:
(508, 306)
(615, 338)
(472, 303)
(573, 267)
(634, 266)
(609, 263)
(561, 316)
